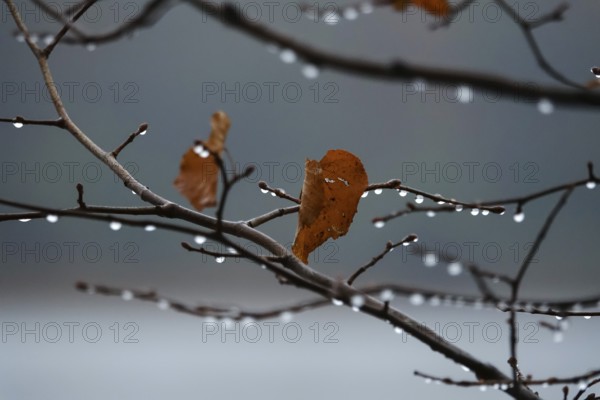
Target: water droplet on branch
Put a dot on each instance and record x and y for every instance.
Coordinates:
(386, 295)
(163, 304)
(545, 106)
(350, 14)
(590, 185)
(51, 218)
(115, 225)
(199, 239)
(357, 301)
(519, 217)
(430, 259)
(288, 56)
(464, 94)
(455, 268)
(286, 317)
(435, 301)
(416, 299)
(310, 71)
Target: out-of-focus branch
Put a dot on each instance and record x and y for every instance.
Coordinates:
(397, 70)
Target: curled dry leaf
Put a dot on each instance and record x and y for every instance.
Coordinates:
(436, 7)
(199, 171)
(330, 194)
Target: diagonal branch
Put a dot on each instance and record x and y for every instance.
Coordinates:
(527, 27)
(388, 248)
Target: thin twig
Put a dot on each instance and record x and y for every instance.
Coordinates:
(24, 121)
(389, 246)
(526, 28)
(277, 192)
(280, 212)
(80, 201)
(523, 269)
(141, 130)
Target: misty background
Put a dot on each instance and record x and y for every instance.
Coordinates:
(187, 66)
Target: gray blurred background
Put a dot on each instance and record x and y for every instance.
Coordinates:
(60, 343)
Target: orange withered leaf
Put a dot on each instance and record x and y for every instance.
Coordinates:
(198, 170)
(435, 7)
(330, 194)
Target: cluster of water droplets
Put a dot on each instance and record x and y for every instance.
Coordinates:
(289, 56)
(337, 302)
(334, 16)
(330, 17)
(266, 191)
(201, 151)
(48, 39)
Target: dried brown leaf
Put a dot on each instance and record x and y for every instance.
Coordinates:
(198, 175)
(330, 194)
